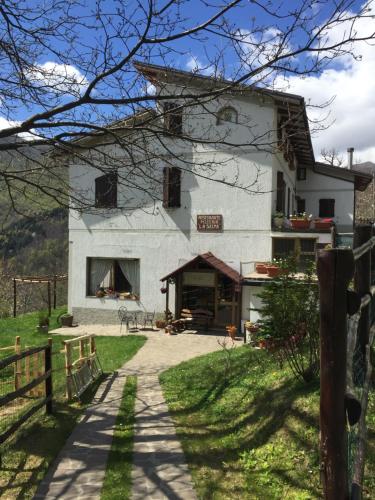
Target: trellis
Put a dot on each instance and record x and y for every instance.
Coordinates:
(50, 281)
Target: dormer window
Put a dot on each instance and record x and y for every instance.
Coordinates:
(173, 118)
(227, 114)
(106, 191)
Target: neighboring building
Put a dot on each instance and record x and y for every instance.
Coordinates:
(365, 200)
(203, 237)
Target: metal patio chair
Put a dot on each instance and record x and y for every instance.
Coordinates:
(148, 317)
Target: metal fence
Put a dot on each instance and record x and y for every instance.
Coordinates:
(347, 332)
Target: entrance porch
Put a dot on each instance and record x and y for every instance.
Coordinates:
(207, 284)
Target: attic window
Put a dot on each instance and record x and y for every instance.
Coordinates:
(227, 114)
(171, 187)
(173, 118)
(106, 191)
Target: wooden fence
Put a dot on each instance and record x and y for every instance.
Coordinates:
(20, 392)
(82, 365)
(347, 334)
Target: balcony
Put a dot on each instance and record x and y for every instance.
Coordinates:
(302, 224)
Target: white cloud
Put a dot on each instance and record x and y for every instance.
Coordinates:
(351, 84)
(60, 78)
(196, 66)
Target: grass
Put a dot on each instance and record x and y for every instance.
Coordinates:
(248, 429)
(117, 482)
(26, 459)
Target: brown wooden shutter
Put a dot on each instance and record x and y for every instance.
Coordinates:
(280, 193)
(106, 191)
(171, 187)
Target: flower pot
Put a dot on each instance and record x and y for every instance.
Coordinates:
(278, 222)
(300, 223)
(273, 271)
(261, 268)
(322, 225)
(66, 320)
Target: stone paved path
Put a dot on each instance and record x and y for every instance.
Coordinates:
(159, 467)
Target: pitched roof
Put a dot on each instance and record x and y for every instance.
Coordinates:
(212, 261)
(361, 179)
(290, 107)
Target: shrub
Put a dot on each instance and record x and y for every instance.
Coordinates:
(290, 320)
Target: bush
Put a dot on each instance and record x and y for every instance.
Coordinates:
(290, 320)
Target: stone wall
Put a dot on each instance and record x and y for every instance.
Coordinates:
(89, 316)
(365, 204)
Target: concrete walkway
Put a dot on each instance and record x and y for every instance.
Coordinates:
(159, 467)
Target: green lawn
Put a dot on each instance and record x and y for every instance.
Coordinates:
(248, 429)
(117, 482)
(26, 459)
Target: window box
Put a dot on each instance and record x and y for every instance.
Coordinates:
(300, 223)
(261, 268)
(323, 224)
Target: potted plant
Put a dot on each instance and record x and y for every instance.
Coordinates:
(251, 327)
(232, 330)
(66, 319)
(278, 220)
(160, 323)
(100, 292)
(300, 221)
(273, 269)
(261, 268)
(43, 322)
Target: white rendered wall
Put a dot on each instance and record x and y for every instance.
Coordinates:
(317, 186)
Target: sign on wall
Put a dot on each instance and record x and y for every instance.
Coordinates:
(209, 223)
(199, 279)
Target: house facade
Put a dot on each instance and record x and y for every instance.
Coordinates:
(225, 167)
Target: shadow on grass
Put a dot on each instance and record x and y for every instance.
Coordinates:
(262, 437)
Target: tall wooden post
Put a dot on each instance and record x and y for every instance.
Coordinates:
(14, 298)
(362, 282)
(335, 270)
(49, 297)
(167, 303)
(48, 381)
(17, 365)
(54, 292)
(68, 371)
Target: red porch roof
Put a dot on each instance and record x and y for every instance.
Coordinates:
(214, 262)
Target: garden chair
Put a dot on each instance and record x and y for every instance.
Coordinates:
(125, 317)
(148, 317)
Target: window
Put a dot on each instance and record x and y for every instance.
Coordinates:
(120, 275)
(302, 249)
(106, 191)
(280, 193)
(173, 118)
(288, 211)
(301, 206)
(171, 187)
(326, 207)
(301, 173)
(227, 114)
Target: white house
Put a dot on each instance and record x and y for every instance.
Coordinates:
(203, 236)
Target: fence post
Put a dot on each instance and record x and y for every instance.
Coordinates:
(68, 371)
(335, 269)
(362, 282)
(14, 298)
(48, 381)
(18, 365)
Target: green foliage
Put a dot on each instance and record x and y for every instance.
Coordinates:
(250, 434)
(117, 481)
(290, 319)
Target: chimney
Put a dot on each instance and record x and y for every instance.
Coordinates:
(350, 158)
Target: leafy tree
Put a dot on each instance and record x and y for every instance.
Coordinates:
(290, 320)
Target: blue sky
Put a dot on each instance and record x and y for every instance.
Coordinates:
(347, 81)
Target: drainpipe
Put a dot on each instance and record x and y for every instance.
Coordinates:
(350, 158)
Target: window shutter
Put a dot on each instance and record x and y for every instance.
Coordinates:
(171, 187)
(280, 193)
(106, 191)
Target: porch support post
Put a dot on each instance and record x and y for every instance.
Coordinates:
(167, 303)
